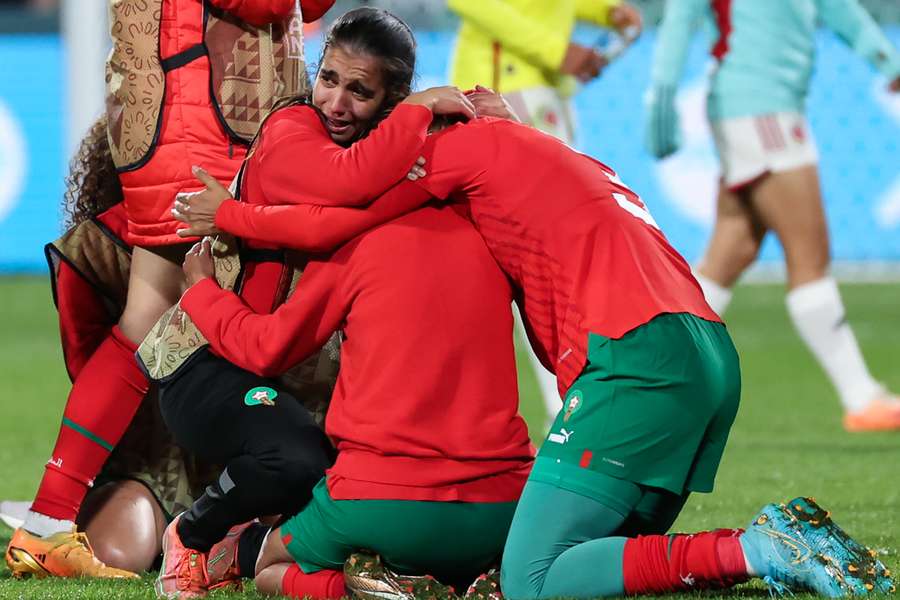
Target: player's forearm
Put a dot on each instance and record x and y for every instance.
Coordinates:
(250, 341)
(850, 21)
(518, 33)
(313, 228)
(303, 165)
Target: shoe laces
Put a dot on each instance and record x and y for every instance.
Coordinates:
(191, 572)
(775, 588)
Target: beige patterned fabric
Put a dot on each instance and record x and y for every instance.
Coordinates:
(98, 258)
(135, 82)
(252, 68)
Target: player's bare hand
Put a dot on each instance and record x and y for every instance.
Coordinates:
(489, 103)
(894, 85)
(198, 262)
(198, 209)
(443, 100)
(582, 62)
(417, 170)
(626, 19)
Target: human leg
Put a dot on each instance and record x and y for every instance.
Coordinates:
(733, 246)
(125, 523)
(273, 451)
(104, 398)
(790, 204)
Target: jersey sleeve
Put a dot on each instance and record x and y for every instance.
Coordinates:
(455, 156)
(299, 163)
(595, 11)
(850, 21)
(270, 344)
(678, 24)
(527, 37)
(314, 228)
(257, 12)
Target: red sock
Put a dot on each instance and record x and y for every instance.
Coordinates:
(321, 585)
(656, 564)
(103, 400)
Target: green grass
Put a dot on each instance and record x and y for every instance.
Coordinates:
(787, 439)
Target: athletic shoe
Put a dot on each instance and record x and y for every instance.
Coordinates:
(777, 550)
(858, 564)
(222, 562)
(366, 578)
(486, 587)
(183, 571)
(881, 414)
(64, 554)
(13, 512)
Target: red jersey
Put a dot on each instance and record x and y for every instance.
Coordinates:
(296, 159)
(425, 406)
(582, 247)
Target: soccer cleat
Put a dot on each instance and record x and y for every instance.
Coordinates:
(183, 571)
(221, 562)
(881, 414)
(486, 587)
(366, 578)
(776, 548)
(64, 554)
(858, 564)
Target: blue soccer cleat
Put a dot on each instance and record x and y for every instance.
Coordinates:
(776, 548)
(858, 564)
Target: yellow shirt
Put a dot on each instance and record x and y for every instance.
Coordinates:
(511, 45)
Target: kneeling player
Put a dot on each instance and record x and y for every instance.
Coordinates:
(648, 375)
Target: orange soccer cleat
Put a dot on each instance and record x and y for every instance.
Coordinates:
(881, 414)
(65, 554)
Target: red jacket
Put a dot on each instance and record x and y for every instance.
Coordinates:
(190, 129)
(581, 247)
(425, 406)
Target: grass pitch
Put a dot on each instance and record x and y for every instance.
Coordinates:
(787, 440)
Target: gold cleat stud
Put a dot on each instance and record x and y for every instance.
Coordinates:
(852, 568)
(870, 587)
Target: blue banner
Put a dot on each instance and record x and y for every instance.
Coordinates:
(856, 123)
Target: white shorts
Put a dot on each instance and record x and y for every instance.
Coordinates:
(544, 109)
(750, 147)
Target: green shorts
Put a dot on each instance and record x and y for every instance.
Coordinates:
(454, 541)
(653, 407)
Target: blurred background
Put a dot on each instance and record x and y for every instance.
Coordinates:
(52, 54)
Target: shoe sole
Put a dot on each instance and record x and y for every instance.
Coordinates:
(861, 563)
(364, 588)
(23, 565)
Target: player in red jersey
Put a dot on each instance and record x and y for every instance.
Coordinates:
(475, 475)
(648, 375)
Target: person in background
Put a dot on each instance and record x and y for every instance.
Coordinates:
(764, 58)
(523, 50)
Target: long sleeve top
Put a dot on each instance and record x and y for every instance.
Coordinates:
(765, 49)
(425, 406)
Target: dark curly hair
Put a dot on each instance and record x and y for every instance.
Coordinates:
(92, 185)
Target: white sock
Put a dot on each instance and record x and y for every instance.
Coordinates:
(43, 526)
(717, 297)
(818, 314)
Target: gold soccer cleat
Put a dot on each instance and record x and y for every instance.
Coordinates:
(64, 554)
